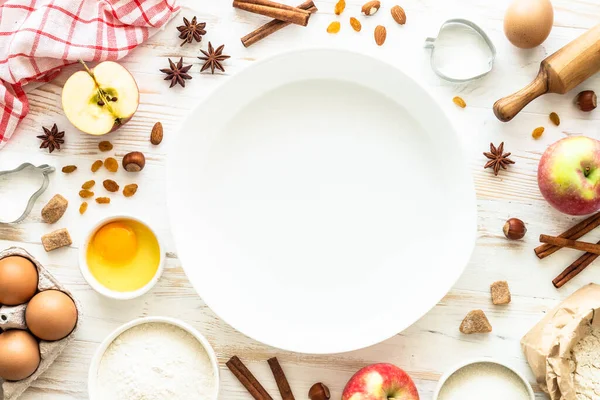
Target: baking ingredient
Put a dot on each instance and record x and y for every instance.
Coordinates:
(134, 161)
(475, 322)
(280, 379)
(398, 14)
(498, 158)
(19, 355)
(156, 135)
(569, 175)
(527, 23)
(575, 232)
(88, 185)
(190, 31)
(339, 7)
(514, 229)
(334, 27)
(103, 200)
(51, 315)
(484, 380)
(52, 138)
(110, 185)
(273, 9)
(459, 101)
(123, 255)
(213, 58)
(584, 365)
(83, 207)
(587, 100)
(500, 292)
(129, 190)
(243, 374)
(371, 7)
(177, 73)
(155, 361)
(355, 24)
(67, 169)
(18, 280)
(380, 382)
(54, 209)
(105, 145)
(96, 165)
(85, 193)
(111, 164)
(57, 239)
(538, 132)
(319, 391)
(554, 118)
(380, 35)
(100, 100)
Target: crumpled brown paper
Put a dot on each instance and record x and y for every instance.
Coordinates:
(547, 346)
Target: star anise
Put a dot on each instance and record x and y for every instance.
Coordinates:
(177, 73)
(51, 139)
(498, 159)
(213, 58)
(191, 30)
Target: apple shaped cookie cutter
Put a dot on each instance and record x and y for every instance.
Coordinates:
(44, 170)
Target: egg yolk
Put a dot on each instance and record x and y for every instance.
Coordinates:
(116, 242)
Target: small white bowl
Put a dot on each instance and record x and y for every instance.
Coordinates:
(452, 371)
(93, 282)
(95, 363)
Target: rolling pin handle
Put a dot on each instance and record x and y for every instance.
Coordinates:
(507, 108)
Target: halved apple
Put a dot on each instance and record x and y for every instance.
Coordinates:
(100, 100)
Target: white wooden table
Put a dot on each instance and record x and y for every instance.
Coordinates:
(430, 346)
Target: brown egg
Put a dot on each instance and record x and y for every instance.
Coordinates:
(18, 280)
(51, 315)
(527, 23)
(19, 355)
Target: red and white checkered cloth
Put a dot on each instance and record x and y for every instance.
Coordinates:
(39, 37)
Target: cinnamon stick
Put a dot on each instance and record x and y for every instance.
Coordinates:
(275, 10)
(280, 379)
(577, 231)
(574, 269)
(273, 26)
(571, 244)
(237, 367)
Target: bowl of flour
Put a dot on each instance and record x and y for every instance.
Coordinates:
(154, 358)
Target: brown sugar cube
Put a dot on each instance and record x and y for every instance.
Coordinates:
(56, 239)
(500, 292)
(54, 209)
(475, 322)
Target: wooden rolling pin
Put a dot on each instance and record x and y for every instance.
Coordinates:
(559, 73)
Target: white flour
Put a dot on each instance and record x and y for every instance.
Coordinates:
(155, 361)
(585, 364)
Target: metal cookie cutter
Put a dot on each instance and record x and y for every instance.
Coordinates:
(468, 27)
(43, 169)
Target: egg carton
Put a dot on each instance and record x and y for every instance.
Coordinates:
(13, 317)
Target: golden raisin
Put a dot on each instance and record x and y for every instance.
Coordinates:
(334, 27)
(538, 132)
(67, 169)
(88, 184)
(459, 102)
(102, 200)
(96, 165)
(110, 185)
(111, 164)
(86, 193)
(355, 24)
(129, 190)
(339, 7)
(105, 146)
(83, 207)
(555, 118)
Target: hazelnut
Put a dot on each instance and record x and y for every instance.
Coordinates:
(318, 391)
(134, 161)
(587, 100)
(514, 229)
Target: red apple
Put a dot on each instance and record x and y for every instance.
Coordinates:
(100, 100)
(380, 382)
(569, 175)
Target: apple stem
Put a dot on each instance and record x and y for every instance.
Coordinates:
(587, 172)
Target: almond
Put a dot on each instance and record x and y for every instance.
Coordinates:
(398, 14)
(371, 7)
(156, 136)
(355, 24)
(380, 34)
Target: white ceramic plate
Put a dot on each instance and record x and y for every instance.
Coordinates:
(320, 202)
